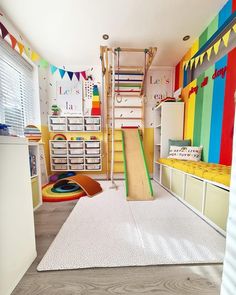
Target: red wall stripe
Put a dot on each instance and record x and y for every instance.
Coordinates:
(229, 110)
(177, 68)
(234, 6)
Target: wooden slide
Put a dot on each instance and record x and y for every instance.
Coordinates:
(138, 183)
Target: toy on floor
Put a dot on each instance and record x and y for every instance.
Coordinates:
(70, 188)
(55, 177)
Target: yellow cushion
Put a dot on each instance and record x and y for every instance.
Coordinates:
(214, 172)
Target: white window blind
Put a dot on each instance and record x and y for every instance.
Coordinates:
(16, 89)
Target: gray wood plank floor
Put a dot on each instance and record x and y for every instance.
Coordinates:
(181, 280)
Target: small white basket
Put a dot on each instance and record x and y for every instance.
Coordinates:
(76, 167)
(90, 144)
(76, 160)
(59, 152)
(75, 127)
(93, 167)
(59, 160)
(76, 152)
(58, 127)
(92, 160)
(92, 127)
(58, 120)
(59, 167)
(92, 120)
(58, 144)
(92, 152)
(76, 144)
(75, 120)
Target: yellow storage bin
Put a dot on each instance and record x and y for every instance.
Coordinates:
(165, 176)
(210, 171)
(35, 191)
(177, 183)
(217, 205)
(194, 192)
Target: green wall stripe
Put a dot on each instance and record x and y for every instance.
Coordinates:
(125, 165)
(213, 27)
(145, 164)
(206, 113)
(203, 38)
(198, 112)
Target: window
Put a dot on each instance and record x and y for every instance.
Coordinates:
(17, 93)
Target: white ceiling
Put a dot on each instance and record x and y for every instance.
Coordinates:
(69, 32)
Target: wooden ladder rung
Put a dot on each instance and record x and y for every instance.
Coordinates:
(128, 118)
(126, 107)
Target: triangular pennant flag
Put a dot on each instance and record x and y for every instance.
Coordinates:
(77, 74)
(226, 38)
(209, 53)
(216, 46)
(196, 60)
(27, 51)
(202, 57)
(186, 65)
(192, 62)
(4, 30)
(62, 73)
(21, 47)
(13, 41)
(34, 56)
(84, 75)
(43, 63)
(234, 28)
(53, 69)
(70, 74)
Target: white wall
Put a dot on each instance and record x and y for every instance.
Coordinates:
(229, 272)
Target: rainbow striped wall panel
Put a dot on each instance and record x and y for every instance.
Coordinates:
(209, 113)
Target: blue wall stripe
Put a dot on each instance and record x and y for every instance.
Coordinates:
(225, 13)
(217, 114)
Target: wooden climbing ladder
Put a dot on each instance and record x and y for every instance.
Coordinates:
(130, 86)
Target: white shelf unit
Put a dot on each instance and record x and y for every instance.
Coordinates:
(168, 124)
(35, 173)
(74, 123)
(75, 155)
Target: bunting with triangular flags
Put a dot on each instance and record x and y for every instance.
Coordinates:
(226, 38)
(196, 61)
(13, 41)
(83, 73)
(216, 46)
(202, 57)
(234, 28)
(3, 30)
(53, 69)
(77, 75)
(21, 47)
(70, 74)
(27, 51)
(34, 56)
(43, 63)
(192, 62)
(209, 51)
(62, 73)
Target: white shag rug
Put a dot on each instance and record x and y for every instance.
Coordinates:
(108, 231)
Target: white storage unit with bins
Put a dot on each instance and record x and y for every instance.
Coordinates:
(74, 124)
(75, 155)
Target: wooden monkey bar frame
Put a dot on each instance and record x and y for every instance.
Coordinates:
(107, 70)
